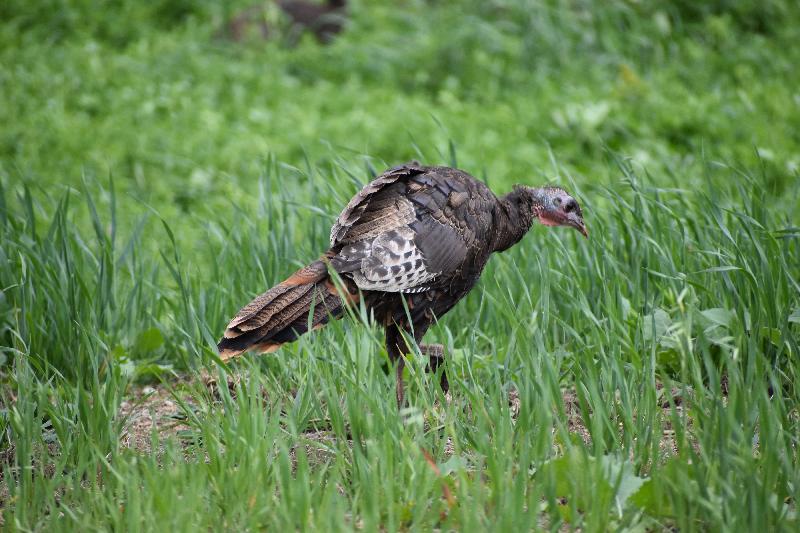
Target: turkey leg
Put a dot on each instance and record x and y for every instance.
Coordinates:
(396, 346)
(435, 353)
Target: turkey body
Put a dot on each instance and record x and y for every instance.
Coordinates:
(415, 233)
(409, 245)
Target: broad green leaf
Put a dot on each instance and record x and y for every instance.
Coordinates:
(149, 340)
(620, 474)
(718, 316)
(454, 464)
(625, 306)
(655, 325)
(651, 502)
(126, 366)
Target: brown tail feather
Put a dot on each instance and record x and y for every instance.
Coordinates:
(281, 314)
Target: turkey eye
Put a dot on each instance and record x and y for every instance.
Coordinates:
(557, 200)
(571, 206)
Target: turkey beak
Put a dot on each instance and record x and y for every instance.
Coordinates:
(576, 221)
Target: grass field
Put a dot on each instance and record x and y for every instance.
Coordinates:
(154, 177)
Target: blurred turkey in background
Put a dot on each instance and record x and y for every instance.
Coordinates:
(287, 20)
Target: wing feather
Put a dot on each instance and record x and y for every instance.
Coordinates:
(394, 236)
(360, 202)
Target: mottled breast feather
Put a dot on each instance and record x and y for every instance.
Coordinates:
(402, 232)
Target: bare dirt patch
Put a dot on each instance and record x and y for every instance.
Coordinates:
(155, 410)
(150, 411)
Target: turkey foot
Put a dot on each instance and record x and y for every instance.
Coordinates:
(435, 353)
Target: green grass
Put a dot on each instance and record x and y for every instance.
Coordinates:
(152, 179)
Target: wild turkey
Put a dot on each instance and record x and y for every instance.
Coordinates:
(325, 21)
(411, 244)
